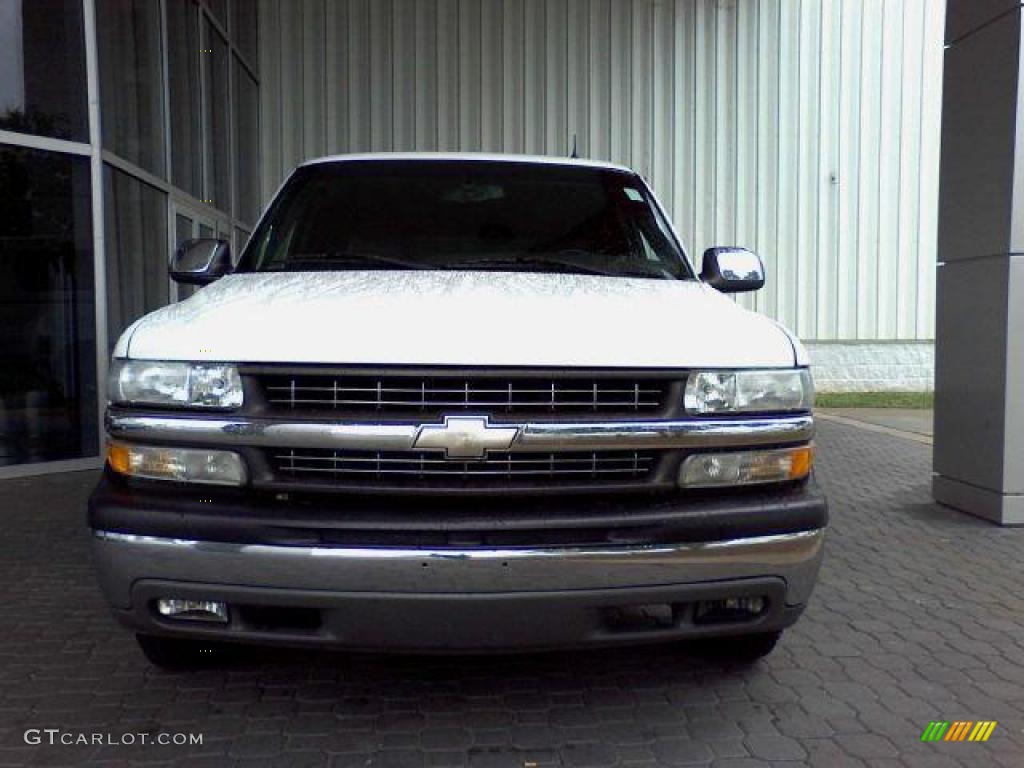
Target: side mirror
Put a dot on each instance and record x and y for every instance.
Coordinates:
(732, 270)
(201, 261)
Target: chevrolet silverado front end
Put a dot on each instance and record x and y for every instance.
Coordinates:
(450, 403)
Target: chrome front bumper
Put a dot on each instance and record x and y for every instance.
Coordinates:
(235, 431)
(454, 599)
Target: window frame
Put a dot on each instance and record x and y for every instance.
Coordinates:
(228, 224)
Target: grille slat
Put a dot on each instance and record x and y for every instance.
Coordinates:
(421, 459)
(459, 472)
(520, 390)
(472, 404)
(419, 395)
(409, 467)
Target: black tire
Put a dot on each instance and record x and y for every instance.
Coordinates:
(744, 649)
(178, 654)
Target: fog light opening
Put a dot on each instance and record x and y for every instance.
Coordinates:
(729, 609)
(639, 618)
(192, 610)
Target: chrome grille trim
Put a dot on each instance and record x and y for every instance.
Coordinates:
(533, 436)
(395, 467)
(314, 391)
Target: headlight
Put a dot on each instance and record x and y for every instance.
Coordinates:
(770, 391)
(190, 385)
(709, 470)
(188, 465)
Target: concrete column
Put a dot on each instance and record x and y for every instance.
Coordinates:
(979, 353)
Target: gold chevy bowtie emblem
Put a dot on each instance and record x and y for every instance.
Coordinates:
(465, 437)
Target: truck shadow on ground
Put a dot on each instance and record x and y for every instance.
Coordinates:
(681, 659)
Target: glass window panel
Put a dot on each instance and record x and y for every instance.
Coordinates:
(244, 29)
(42, 69)
(131, 67)
(219, 8)
(182, 229)
(183, 82)
(247, 150)
(215, 93)
(136, 245)
(47, 308)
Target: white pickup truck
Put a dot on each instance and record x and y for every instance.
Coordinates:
(458, 402)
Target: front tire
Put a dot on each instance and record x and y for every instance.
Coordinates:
(178, 654)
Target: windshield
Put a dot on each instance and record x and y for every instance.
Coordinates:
(465, 215)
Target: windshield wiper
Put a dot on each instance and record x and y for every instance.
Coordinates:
(555, 262)
(565, 255)
(556, 259)
(537, 261)
(313, 261)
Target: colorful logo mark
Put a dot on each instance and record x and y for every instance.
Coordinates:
(958, 730)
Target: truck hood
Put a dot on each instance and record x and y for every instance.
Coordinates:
(459, 318)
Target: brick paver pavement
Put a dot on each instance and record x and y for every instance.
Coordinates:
(918, 616)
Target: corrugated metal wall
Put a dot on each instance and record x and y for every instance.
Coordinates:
(805, 129)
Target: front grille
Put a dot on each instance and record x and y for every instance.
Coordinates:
(417, 396)
(497, 469)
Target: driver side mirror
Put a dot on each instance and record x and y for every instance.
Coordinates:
(732, 270)
(200, 261)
